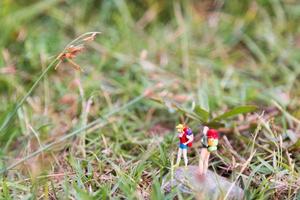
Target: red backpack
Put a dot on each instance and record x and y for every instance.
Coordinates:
(188, 132)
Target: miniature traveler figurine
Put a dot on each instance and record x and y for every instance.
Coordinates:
(186, 138)
(209, 142)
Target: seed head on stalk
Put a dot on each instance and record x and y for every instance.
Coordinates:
(71, 51)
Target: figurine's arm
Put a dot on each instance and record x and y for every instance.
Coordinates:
(190, 137)
(205, 129)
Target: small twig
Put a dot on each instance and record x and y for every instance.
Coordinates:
(227, 143)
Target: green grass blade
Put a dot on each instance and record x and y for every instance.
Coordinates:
(203, 114)
(235, 111)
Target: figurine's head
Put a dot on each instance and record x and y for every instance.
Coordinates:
(180, 128)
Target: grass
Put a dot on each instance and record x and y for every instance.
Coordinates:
(108, 132)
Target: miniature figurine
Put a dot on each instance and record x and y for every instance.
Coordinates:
(209, 142)
(186, 138)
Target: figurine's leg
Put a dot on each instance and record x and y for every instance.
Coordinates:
(185, 157)
(178, 156)
(202, 160)
(206, 162)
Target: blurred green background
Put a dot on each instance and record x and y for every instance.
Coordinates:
(213, 53)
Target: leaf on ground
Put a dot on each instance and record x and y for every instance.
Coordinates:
(235, 111)
(188, 113)
(214, 124)
(202, 113)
